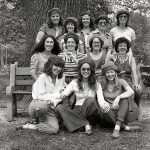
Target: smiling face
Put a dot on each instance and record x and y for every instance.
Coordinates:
(71, 44)
(96, 44)
(70, 27)
(110, 75)
(55, 18)
(86, 20)
(123, 18)
(122, 48)
(56, 70)
(49, 44)
(85, 70)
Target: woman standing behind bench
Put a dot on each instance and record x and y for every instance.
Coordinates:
(47, 47)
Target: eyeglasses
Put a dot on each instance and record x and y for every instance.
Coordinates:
(102, 23)
(87, 69)
(123, 16)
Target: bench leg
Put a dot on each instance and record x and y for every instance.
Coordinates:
(15, 105)
(10, 108)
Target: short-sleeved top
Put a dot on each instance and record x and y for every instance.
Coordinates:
(37, 64)
(71, 65)
(127, 32)
(119, 88)
(51, 31)
(81, 95)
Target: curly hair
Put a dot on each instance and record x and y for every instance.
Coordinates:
(120, 12)
(40, 47)
(122, 40)
(74, 36)
(92, 38)
(92, 27)
(71, 20)
(54, 60)
(92, 77)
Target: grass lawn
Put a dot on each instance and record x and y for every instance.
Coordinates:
(10, 139)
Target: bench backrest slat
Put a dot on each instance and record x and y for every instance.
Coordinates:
(23, 71)
(24, 82)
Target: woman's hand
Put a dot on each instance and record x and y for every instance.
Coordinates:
(105, 107)
(116, 103)
(136, 87)
(62, 96)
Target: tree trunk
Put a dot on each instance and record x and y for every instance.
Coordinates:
(36, 15)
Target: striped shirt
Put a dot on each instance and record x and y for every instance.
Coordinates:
(71, 64)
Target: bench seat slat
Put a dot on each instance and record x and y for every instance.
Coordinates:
(22, 92)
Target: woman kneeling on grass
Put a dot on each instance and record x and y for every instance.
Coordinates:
(46, 96)
(118, 96)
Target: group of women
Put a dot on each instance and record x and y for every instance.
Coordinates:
(94, 70)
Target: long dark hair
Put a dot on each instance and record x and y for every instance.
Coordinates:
(92, 77)
(54, 60)
(39, 47)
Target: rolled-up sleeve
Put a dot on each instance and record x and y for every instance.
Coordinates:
(99, 92)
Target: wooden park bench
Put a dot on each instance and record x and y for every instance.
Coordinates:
(20, 84)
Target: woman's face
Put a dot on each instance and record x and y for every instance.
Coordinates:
(85, 70)
(70, 27)
(110, 75)
(56, 70)
(102, 24)
(123, 18)
(122, 48)
(86, 20)
(49, 44)
(96, 44)
(71, 44)
(55, 18)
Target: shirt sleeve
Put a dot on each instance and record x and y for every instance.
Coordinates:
(124, 83)
(99, 93)
(39, 90)
(70, 88)
(133, 36)
(43, 28)
(34, 63)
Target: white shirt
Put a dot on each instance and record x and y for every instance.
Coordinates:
(118, 32)
(82, 95)
(44, 88)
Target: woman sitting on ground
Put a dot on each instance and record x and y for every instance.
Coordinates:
(86, 89)
(121, 108)
(47, 47)
(126, 66)
(46, 95)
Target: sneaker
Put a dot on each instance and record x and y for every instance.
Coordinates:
(133, 128)
(88, 129)
(115, 134)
